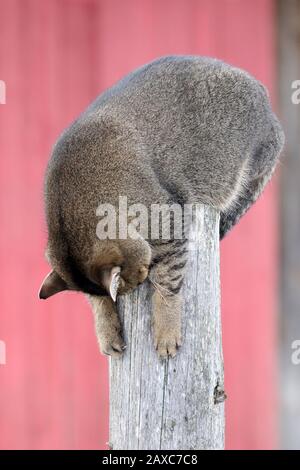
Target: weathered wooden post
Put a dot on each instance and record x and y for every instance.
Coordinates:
(174, 404)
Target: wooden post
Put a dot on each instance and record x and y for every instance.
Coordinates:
(174, 404)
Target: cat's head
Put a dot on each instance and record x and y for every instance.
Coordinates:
(112, 268)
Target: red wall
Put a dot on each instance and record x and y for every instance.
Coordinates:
(55, 56)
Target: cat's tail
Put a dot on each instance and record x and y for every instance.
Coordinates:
(262, 166)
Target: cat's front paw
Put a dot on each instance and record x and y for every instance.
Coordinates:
(111, 342)
(167, 340)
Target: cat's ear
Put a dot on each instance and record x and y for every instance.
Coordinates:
(110, 279)
(52, 284)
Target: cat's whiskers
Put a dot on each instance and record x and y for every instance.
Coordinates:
(158, 287)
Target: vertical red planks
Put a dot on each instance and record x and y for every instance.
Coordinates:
(53, 393)
(55, 57)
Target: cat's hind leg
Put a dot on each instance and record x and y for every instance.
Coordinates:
(229, 218)
(167, 276)
(260, 169)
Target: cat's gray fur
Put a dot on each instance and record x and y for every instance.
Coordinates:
(181, 129)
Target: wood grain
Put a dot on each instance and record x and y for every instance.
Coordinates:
(173, 404)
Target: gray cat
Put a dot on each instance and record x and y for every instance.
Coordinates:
(179, 130)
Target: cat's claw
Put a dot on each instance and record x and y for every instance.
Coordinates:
(167, 346)
(113, 346)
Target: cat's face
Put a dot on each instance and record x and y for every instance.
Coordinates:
(131, 277)
(114, 269)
